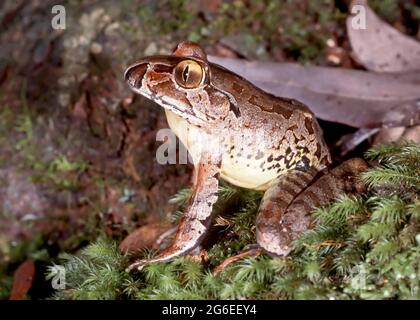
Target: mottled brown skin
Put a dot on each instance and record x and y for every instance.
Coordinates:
(246, 136)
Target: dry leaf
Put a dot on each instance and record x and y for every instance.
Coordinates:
(379, 47)
(356, 98)
(143, 237)
(23, 278)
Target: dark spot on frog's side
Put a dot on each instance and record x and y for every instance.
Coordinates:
(304, 150)
(289, 164)
(303, 164)
(235, 110)
(308, 125)
(318, 150)
(284, 112)
(259, 155)
(279, 158)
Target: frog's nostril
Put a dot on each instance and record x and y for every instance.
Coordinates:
(134, 74)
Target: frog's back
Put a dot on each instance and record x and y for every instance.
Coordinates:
(271, 136)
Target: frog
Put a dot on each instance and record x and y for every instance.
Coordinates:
(239, 133)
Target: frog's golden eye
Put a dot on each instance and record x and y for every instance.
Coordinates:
(188, 74)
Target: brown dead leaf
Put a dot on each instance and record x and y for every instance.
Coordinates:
(356, 98)
(379, 47)
(23, 278)
(143, 237)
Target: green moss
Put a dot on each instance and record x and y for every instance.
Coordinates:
(60, 173)
(404, 12)
(364, 247)
(299, 28)
(388, 9)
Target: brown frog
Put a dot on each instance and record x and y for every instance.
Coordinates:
(237, 132)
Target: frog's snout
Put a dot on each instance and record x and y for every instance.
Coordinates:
(134, 74)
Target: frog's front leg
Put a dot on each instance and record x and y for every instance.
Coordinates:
(198, 216)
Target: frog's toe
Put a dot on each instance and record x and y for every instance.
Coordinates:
(275, 243)
(139, 265)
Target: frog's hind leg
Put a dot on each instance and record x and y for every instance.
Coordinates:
(284, 210)
(272, 235)
(197, 218)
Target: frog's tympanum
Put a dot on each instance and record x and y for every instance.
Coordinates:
(237, 132)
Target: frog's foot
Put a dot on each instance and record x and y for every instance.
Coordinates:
(197, 218)
(284, 210)
(255, 251)
(138, 265)
(169, 254)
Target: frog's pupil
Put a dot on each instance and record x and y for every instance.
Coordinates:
(185, 73)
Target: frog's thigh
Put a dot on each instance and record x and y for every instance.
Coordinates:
(292, 219)
(272, 235)
(343, 179)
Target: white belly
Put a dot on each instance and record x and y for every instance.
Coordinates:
(241, 175)
(241, 171)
